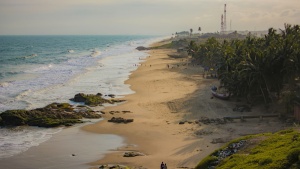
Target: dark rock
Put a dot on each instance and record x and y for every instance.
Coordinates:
(181, 122)
(142, 48)
(52, 115)
(132, 154)
(112, 95)
(120, 120)
(117, 101)
(80, 97)
(126, 111)
(93, 100)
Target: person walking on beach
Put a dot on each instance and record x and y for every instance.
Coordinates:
(162, 166)
(165, 166)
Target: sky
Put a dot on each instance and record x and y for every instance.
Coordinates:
(142, 17)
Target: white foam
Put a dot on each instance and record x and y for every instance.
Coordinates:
(19, 139)
(71, 51)
(46, 77)
(4, 84)
(104, 73)
(95, 53)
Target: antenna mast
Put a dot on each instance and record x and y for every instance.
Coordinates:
(222, 25)
(224, 22)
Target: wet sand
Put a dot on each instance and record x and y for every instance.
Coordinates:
(71, 148)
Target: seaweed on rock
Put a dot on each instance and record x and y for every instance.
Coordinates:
(52, 115)
(93, 99)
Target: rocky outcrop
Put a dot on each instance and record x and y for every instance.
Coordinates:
(231, 149)
(140, 48)
(94, 99)
(52, 115)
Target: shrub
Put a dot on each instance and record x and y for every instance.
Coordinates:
(206, 162)
(293, 155)
(265, 161)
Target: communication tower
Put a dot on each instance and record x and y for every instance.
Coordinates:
(222, 25)
(224, 22)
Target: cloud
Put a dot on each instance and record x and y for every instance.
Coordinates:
(142, 16)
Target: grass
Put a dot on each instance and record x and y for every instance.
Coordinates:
(280, 150)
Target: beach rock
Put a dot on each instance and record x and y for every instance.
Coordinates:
(111, 95)
(94, 99)
(132, 154)
(141, 48)
(120, 120)
(80, 97)
(52, 115)
(117, 101)
(126, 111)
(181, 122)
(113, 167)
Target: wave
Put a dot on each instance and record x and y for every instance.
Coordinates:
(16, 140)
(55, 75)
(24, 93)
(71, 51)
(41, 68)
(95, 53)
(4, 84)
(30, 56)
(9, 74)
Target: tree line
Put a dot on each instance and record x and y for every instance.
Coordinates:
(255, 68)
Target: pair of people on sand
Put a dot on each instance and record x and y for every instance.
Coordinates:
(163, 165)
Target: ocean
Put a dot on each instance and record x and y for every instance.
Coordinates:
(38, 70)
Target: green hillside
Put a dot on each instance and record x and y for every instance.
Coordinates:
(279, 150)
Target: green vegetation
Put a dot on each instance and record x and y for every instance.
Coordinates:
(280, 150)
(93, 99)
(257, 69)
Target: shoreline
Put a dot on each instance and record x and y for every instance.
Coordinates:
(40, 149)
(163, 97)
(145, 119)
(64, 150)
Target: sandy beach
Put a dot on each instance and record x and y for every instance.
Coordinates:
(165, 96)
(168, 90)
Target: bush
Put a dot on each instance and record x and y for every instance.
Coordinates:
(206, 162)
(293, 155)
(265, 161)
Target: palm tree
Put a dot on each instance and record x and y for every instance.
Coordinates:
(254, 67)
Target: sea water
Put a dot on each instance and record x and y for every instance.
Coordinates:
(38, 70)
